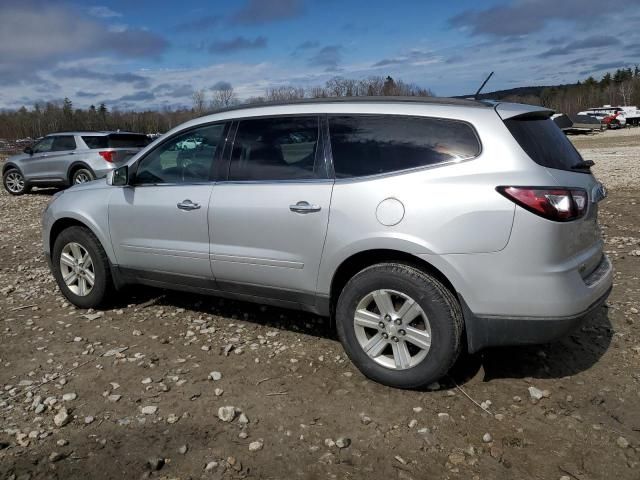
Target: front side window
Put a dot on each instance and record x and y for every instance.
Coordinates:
(279, 148)
(43, 145)
(63, 142)
(364, 145)
(185, 158)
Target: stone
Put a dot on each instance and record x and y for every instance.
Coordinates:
(227, 414)
(114, 397)
(56, 456)
(255, 446)
(62, 418)
(537, 394)
(210, 466)
(149, 409)
(172, 418)
(456, 458)
(486, 438)
(215, 376)
(155, 463)
(622, 442)
(243, 419)
(218, 392)
(88, 419)
(343, 442)
(183, 449)
(68, 397)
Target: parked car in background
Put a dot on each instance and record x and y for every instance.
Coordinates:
(63, 159)
(421, 226)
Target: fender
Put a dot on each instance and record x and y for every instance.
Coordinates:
(78, 163)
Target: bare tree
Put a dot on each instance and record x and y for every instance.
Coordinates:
(284, 94)
(199, 101)
(223, 96)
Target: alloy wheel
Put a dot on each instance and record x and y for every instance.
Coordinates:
(82, 178)
(15, 182)
(77, 269)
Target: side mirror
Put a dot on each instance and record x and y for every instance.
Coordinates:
(118, 177)
(28, 150)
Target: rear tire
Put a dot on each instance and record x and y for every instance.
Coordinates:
(423, 337)
(81, 268)
(14, 182)
(82, 175)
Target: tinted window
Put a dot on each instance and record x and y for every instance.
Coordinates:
(184, 158)
(43, 145)
(116, 140)
(62, 143)
(373, 144)
(544, 142)
(281, 148)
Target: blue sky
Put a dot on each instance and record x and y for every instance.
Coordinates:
(151, 54)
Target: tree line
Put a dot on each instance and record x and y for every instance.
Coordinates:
(45, 118)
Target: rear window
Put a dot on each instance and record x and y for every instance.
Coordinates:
(544, 142)
(116, 140)
(373, 144)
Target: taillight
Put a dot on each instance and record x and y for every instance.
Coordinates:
(558, 204)
(108, 155)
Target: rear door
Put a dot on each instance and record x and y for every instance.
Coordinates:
(268, 221)
(159, 226)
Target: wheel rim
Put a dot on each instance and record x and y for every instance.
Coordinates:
(77, 269)
(15, 182)
(82, 177)
(392, 329)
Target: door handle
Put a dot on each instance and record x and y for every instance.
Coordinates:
(304, 207)
(188, 205)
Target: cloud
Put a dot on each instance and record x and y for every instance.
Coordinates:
(595, 41)
(328, 57)
(103, 12)
(222, 85)
(522, 17)
(138, 81)
(83, 94)
(414, 57)
(35, 35)
(137, 97)
(236, 44)
(199, 24)
(257, 12)
(599, 67)
(173, 90)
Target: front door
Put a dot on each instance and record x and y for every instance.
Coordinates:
(268, 221)
(159, 226)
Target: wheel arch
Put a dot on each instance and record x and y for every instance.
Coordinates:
(78, 164)
(7, 166)
(65, 222)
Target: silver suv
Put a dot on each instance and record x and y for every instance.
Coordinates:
(62, 159)
(419, 226)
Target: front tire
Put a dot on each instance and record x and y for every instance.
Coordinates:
(400, 326)
(82, 175)
(81, 268)
(14, 182)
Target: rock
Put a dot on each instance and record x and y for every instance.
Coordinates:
(537, 394)
(88, 419)
(210, 466)
(183, 449)
(444, 417)
(155, 463)
(62, 418)
(365, 419)
(343, 442)
(149, 409)
(243, 419)
(243, 434)
(62, 442)
(255, 446)
(56, 456)
(215, 376)
(146, 381)
(486, 438)
(218, 392)
(114, 397)
(622, 442)
(417, 409)
(68, 397)
(413, 423)
(456, 458)
(329, 443)
(227, 414)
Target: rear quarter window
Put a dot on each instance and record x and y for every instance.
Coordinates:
(116, 140)
(364, 145)
(544, 142)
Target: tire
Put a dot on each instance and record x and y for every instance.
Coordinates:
(85, 241)
(14, 182)
(82, 175)
(443, 325)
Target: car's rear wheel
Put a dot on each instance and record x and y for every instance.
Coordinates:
(400, 326)
(14, 182)
(82, 175)
(81, 268)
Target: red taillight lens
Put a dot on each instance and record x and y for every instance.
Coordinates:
(108, 155)
(558, 204)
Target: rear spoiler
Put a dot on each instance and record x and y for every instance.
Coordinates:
(515, 110)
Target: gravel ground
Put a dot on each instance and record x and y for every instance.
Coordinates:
(168, 385)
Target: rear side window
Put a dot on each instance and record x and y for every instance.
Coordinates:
(116, 140)
(544, 142)
(373, 144)
(61, 143)
(280, 148)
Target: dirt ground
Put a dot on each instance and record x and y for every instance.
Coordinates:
(128, 393)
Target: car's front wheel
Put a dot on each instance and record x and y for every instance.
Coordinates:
(14, 182)
(81, 268)
(400, 326)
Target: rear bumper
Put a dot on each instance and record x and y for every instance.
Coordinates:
(495, 331)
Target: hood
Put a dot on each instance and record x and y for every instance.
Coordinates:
(18, 157)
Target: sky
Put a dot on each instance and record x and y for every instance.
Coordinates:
(152, 55)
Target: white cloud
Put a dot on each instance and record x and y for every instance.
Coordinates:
(101, 11)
